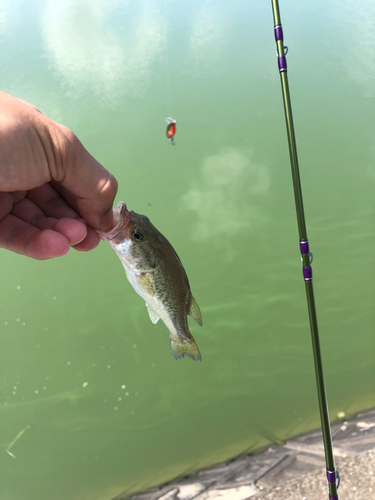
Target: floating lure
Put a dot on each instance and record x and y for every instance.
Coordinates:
(171, 129)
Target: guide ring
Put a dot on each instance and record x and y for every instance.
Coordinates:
(337, 479)
(311, 257)
(285, 51)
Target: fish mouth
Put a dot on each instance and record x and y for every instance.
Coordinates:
(121, 218)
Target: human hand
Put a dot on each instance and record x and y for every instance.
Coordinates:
(52, 191)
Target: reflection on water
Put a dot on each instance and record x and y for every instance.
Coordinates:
(207, 39)
(225, 198)
(6, 18)
(358, 45)
(92, 48)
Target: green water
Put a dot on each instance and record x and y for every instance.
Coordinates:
(80, 359)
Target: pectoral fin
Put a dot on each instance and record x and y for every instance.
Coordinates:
(145, 285)
(194, 311)
(153, 316)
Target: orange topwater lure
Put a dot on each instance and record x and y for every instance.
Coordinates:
(171, 129)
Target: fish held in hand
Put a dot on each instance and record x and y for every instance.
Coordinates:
(155, 271)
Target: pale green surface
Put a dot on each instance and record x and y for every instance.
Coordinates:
(223, 197)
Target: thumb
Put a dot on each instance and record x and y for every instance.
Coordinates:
(86, 184)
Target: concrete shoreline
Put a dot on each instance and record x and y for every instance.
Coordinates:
(294, 470)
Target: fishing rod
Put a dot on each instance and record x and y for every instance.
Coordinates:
(332, 474)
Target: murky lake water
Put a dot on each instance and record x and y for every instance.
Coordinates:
(80, 359)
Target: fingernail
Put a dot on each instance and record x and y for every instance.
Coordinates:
(79, 241)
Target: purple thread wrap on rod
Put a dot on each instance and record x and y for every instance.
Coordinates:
(307, 273)
(279, 33)
(282, 63)
(333, 498)
(331, 476)
(304, 246)
(279, 37)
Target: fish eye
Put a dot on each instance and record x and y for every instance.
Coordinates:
(137, 235)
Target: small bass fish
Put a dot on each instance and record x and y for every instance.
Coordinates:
(157, 275)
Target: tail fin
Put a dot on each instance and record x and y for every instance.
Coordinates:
(185, 347)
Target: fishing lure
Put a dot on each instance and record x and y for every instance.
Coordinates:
(171, 129)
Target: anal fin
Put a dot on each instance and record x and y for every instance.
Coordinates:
(194, 311)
